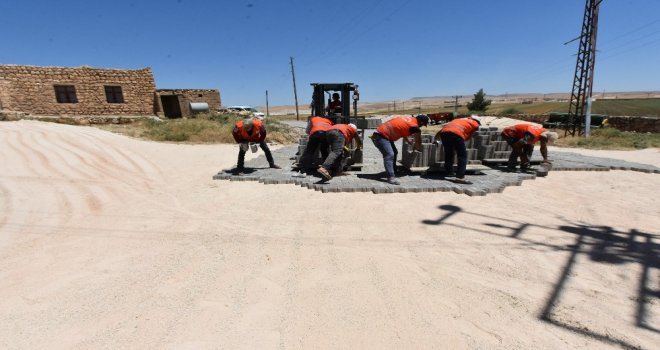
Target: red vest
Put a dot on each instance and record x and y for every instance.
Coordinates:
(349, 133)
(254, 136)
(397, 127)
(463, 127)
(319, 124)
(518, 131)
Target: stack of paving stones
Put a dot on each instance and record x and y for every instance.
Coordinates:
(371, 177)
(433, 154)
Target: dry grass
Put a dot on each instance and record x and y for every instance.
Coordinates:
(204, 128)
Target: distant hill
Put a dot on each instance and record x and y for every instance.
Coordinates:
(638, 103)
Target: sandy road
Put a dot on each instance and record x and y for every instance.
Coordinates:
(109, 242)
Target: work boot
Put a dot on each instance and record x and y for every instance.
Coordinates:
(393, 181)
(326, 175)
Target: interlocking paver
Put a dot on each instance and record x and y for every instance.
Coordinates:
(371, 178)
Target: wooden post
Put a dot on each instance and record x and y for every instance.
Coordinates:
(295, 92)
(267, 112)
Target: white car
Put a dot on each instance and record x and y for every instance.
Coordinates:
(246, 110)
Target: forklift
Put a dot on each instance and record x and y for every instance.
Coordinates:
(348, 93)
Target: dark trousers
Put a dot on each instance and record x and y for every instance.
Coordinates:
(453, 143)
(336, 140)
(389, 151)
(515, 154)
(314, 141)
(264, 147)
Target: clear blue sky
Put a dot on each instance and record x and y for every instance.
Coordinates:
(394, 49)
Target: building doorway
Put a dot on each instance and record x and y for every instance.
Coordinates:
(171, 107)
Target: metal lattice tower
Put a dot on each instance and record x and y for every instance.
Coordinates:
(584, 68)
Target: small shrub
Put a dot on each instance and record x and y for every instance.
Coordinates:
(510, 111)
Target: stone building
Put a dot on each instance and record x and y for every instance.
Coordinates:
(86, 91)
(177, 103)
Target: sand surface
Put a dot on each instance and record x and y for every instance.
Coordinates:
(110, 242)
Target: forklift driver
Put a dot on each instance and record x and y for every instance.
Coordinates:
(334, 106)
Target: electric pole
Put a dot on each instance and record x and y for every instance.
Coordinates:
(456, 102)
(267, 112)
(584, 69)
(295, 91)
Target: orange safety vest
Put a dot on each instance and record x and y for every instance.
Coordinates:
(349, 133)
(518, 132)
(397, 127)
(319, 124)
(255, 136)
(463, 127)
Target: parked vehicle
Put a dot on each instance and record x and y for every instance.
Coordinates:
(247, 110)
(437, 118)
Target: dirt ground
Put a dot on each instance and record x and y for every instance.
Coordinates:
(111, 242)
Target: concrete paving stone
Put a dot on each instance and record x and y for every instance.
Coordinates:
(371, 176)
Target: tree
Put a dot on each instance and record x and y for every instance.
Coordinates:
(479, 104)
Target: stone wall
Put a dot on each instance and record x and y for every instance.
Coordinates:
(183, 98)
(639, 124)
(31, 90)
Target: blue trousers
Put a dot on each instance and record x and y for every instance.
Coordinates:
(389, 151)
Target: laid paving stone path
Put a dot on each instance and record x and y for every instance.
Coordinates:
(371, 177)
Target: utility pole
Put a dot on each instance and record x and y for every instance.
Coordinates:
(267, 112)
(584, 68)
(295, 91)
(456, 102)
(394, 103)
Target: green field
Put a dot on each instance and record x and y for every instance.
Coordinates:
(612, 107)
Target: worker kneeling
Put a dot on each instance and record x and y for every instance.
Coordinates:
(337, 137)
(247, 131)
(521, 138)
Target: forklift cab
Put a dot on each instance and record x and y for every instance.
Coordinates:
(322, 99)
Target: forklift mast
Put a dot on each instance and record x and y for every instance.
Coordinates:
(319, 102)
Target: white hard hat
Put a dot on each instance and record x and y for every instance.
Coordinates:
(476, 117)
(352, 126)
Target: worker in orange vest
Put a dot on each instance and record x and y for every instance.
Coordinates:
(337, 137)
(251, 130)
(389, 132)
(316, 129)
(453, 136)
(521, 138)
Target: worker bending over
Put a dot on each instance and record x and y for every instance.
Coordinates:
(316, 129)
(251, 130)
(337, 137)
(392, 130)
(453, 136)
(521, 138)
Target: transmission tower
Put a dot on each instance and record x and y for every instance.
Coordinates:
(584, 68)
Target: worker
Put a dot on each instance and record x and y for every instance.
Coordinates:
(392, 130)
(334, 106)
(247, 131)
(316, 129)
(453, 136)
(521, 138)
(338, 137)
